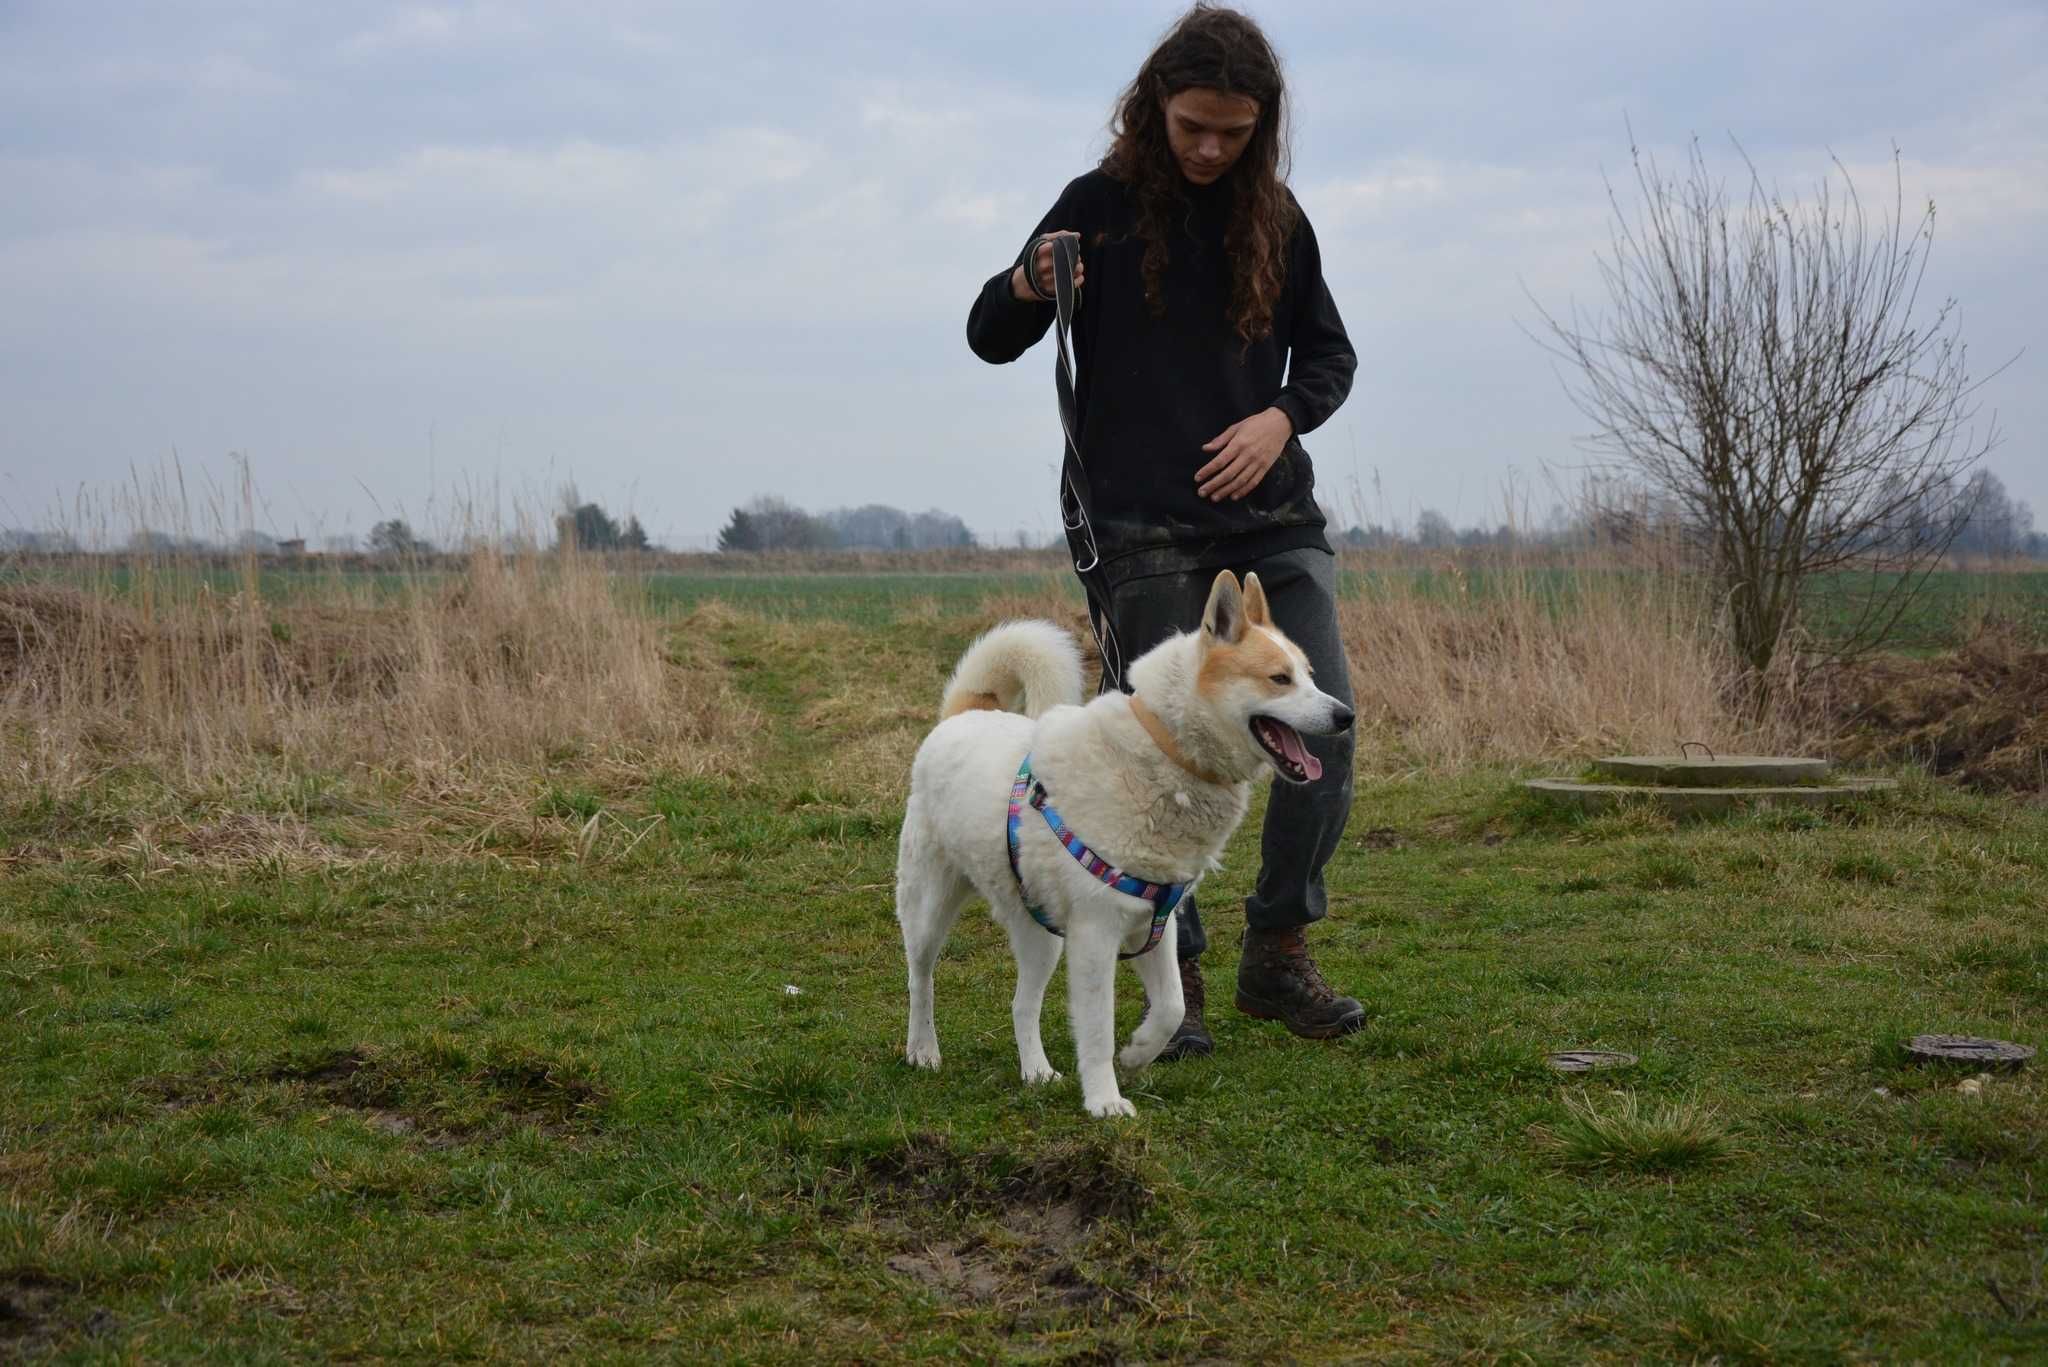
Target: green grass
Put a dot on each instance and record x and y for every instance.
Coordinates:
(858, 599)
(1666, 1138)
(1942, 614)
(467, 1108)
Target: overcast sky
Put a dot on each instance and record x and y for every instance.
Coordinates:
(687, 254)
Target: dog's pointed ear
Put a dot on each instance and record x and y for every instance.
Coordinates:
(1255, 602)
(1224, 619)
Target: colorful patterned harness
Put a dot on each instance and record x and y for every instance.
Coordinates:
(1164, 897)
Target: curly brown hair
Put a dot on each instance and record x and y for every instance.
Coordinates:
(1211, 48)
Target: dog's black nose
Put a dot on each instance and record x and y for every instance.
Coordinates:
(1343, 717)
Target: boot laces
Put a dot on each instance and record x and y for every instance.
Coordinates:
(1292, 953)
(1311, 977)
(1191, 989)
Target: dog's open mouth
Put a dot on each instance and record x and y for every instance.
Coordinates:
(1283, 743)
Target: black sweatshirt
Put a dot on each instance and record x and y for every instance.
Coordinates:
(1152, 390)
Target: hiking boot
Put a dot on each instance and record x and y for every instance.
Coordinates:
(1277, 981)
(1191, 1039)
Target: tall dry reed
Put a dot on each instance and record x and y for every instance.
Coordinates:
(433, 676)
(1456, 664)
(1503, 659)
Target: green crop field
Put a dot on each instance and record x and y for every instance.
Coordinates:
(619, 1076)
(1941, 613)
(861, 599)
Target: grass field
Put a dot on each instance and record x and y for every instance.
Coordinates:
(859, 599)
(609, 1066)
(1948, 607)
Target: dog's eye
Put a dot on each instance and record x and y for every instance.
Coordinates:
(1280, 678)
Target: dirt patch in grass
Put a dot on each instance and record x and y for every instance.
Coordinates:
(439, 1097)
(539, 1086)
(1046, 1231)
(335, 1075)
(1104, 1180)
(1979, 713)
(31, 1305)
(1032, 1265)
(175, 1093)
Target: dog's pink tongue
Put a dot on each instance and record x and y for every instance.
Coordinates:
(1291, 746)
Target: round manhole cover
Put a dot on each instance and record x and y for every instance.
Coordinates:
(1967, 1049)
(1589, 1060)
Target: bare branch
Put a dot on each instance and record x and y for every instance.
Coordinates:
(1765, 367)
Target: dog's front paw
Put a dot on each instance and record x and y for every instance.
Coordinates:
(1115, 1105)
(1039, 1077)
(923, 1056)
(1135, 1056)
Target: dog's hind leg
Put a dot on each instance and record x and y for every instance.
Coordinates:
(1038, 954)
(929, 895)
(1159, 970)
(1091, 1006)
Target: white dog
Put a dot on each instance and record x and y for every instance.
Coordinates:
(1153, 784)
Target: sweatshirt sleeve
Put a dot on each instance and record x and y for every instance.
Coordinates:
(1321, 361)
(1001, 327)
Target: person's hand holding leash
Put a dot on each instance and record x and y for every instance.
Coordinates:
(1245, 450)
(1041, 265)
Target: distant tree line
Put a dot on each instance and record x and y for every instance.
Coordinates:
(395, 537)
(774, 524)
(22, 541)
(587, 527)
(1999, 524)
(1996, 525)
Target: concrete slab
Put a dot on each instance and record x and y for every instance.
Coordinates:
(1721, 771)
(1594, 798)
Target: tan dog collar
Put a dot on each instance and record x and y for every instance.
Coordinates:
(1163, 738)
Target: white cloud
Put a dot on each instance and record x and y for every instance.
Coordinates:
(438, 26)
(221, 74)
(672, 249)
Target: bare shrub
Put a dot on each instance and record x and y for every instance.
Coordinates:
(1763, 365)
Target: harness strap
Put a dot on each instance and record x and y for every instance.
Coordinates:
(1164, 897)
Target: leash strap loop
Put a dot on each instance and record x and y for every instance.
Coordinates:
(1074, 501)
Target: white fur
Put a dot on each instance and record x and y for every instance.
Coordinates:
(1028, 666)
(1117, 789)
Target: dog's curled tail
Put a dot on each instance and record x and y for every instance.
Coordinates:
(1025, 667)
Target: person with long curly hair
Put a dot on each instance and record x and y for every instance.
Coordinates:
(1207, 345)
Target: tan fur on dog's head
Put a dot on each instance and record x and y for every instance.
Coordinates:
(1256, 685)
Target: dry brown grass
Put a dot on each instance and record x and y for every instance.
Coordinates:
(1979, 712)
(1550, 662)
(471, 689)
(1539, 669)
(514, 663)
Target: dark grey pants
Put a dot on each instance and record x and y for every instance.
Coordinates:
(1305, 822)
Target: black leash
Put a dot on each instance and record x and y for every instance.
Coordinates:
(1074, 497)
